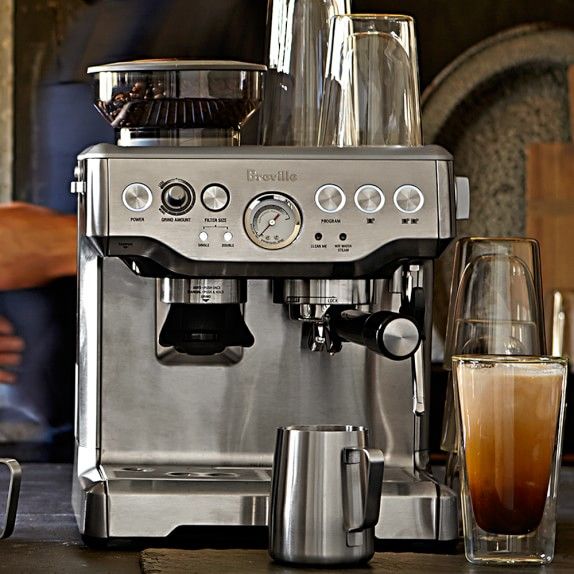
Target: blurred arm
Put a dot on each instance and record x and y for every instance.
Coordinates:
(37, 245)
(11, 348)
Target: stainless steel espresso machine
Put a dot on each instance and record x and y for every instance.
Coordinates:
(226, 291)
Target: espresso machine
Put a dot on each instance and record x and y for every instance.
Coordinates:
(227, 290)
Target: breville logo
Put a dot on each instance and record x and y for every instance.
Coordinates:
(282, 175)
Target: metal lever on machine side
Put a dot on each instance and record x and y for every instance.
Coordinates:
(419, 382)
(392, 335)
(462, 197)
(417, 302)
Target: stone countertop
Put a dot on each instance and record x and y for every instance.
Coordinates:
(46, 540)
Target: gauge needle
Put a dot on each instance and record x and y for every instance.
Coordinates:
(271, 223)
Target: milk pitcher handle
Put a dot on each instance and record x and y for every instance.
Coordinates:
(13, 494)
(370, 499)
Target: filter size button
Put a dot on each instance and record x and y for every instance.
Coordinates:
(215, 197)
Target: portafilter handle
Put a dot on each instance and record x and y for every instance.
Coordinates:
(393, 335)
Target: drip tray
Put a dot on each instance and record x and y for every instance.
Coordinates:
(187, 473)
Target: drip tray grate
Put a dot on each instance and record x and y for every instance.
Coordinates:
(199, 473)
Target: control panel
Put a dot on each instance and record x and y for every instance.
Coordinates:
(258, 208)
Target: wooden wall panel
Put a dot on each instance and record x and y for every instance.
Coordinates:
(6, 97)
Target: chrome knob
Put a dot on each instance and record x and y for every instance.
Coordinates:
(389, 334)
(408, 199)
(330, 198)
(177, 197)
(369, 198)
(215, 197)
(137, 197)
(400, 338)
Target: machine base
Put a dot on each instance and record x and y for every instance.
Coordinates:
(144, 501)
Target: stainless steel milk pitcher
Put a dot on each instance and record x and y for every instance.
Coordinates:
(325, 495)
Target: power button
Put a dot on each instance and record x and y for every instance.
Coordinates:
(137, 197)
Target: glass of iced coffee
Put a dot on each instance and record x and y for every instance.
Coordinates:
(511, 411)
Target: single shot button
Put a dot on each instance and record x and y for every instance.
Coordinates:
(203, 236)
(369, 198)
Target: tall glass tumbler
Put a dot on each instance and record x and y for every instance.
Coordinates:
(495, 281)
(297, 36)
(372, 85)
(495, 308)
(511, 416)
(560, 325)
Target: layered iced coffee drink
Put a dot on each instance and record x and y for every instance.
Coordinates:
(511, 411)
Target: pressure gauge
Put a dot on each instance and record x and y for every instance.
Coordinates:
(272, 221)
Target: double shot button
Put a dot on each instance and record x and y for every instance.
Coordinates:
(408, 199)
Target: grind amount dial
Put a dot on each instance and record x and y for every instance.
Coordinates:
(272, 221)
(177, 197)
